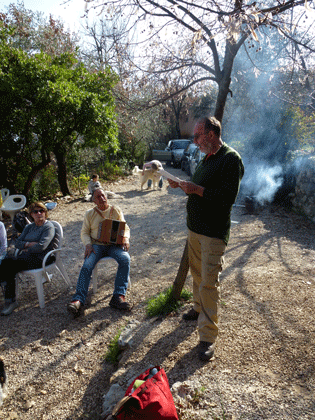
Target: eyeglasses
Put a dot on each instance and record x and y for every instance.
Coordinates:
(38, 211)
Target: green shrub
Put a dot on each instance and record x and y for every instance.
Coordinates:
(45, 184)
(109, 171)
(164, 303)
(34, 193)
(113, 351)
(81, 181)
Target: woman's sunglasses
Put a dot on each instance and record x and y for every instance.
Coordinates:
(38, 211)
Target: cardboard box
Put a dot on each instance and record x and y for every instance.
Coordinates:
(111, 231)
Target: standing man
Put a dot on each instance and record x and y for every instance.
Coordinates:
(95, 250)
(211, 195)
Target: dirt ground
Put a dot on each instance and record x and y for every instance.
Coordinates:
(264, 361)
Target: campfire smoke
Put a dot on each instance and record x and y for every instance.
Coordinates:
(262, 181)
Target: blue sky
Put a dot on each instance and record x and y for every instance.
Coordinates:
(68, 12)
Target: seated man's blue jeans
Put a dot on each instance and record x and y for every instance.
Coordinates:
(121, 282)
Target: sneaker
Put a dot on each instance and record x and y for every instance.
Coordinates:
(9, 308)
(74, 307)
(191, 315)
(118, 302)
(206, 350)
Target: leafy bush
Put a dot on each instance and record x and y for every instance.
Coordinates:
(81, 181)
(109, 171)
(45, 184)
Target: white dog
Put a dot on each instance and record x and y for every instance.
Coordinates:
(146, 175)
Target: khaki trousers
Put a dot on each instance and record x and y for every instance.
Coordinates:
(205, 263)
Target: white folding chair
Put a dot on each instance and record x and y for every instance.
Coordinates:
(13, 204)
(94, 274)
(41, 274)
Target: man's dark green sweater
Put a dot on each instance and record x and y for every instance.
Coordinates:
(220, 175)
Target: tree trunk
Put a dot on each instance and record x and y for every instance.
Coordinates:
(62, 172)
(181, 274)
(33, 173)
(225, 79)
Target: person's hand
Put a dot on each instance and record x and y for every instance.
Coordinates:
(29, 244)
(125, 245)
(88, 250)
(191, 188)
(173, 184)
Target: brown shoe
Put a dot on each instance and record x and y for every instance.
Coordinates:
(74, 307)
(206, 350)
(191, 315)
(118, 302)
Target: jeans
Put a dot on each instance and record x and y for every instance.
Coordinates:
(121, 282)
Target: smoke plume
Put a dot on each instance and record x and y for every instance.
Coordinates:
(262, 181)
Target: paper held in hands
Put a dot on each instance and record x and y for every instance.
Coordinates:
(168, 175)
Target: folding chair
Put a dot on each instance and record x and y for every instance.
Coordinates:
(94, 274)
(41, 274)
(13, 204)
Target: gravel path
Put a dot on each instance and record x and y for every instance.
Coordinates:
(264, 362)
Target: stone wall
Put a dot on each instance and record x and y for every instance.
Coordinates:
(303, 199)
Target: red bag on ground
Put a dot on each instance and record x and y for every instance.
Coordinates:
(152, 400)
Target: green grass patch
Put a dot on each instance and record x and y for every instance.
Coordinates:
(164, 303)
(113, 352)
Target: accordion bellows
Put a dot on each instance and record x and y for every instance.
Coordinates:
(111, 231)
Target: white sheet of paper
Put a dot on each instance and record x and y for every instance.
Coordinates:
(168, 175)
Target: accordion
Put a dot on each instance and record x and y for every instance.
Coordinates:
(111, 231)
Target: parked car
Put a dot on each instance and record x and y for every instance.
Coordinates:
(172, 153)
(178, 149)
(195, 159)
(187, 155)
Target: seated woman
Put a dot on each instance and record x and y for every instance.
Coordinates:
(34, 243)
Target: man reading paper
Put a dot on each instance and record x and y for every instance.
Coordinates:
(211, 195)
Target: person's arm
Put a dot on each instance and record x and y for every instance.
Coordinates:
(86, 230)
(44, 240)
(86, 235)
(21, 241)
(90, 187)
(226, 191)
(191, 188)
(173, 184)
(3, 239)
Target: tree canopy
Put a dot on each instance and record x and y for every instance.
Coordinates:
(49, 105)
(33, 32)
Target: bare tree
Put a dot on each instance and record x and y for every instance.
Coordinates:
(108, 42)
(201, 39)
